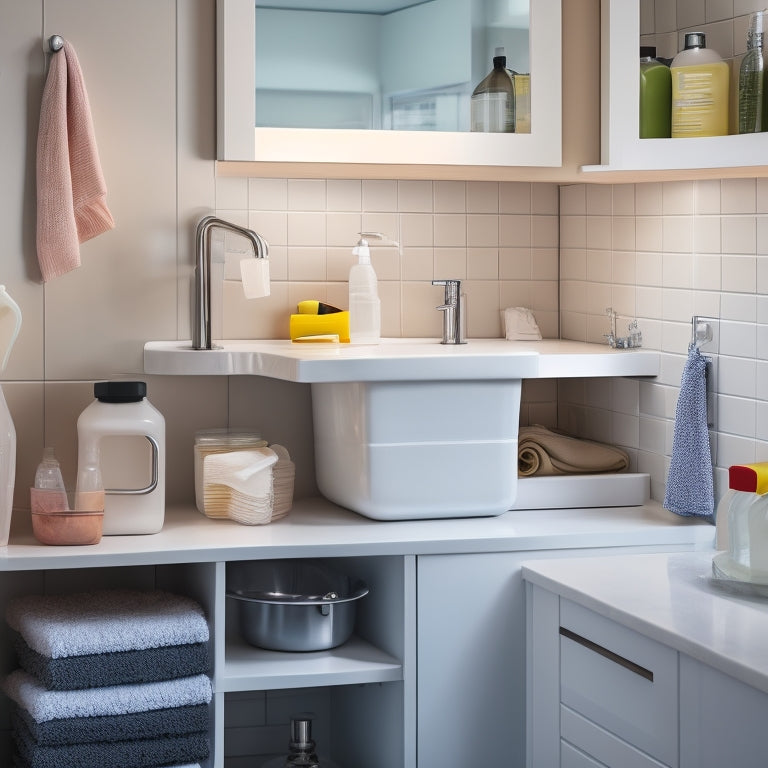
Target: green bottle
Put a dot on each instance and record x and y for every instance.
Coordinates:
(655, 96)
(752, 101)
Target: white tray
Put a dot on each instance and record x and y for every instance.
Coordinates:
(578, 491)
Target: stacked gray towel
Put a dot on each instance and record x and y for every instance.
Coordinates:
(113, 677)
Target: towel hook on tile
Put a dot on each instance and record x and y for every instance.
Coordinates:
(55, 43)
(701, 332)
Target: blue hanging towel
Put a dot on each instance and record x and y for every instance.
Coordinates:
(690, 489)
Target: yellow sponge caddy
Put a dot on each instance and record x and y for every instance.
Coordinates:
(319, 322)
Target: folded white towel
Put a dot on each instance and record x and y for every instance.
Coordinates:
(520, 324)
(59, 626)
(241, 470)
(44, 705)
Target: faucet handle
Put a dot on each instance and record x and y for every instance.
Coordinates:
(452, 291)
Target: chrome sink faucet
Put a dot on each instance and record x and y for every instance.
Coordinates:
(201, 330)
(453, 312)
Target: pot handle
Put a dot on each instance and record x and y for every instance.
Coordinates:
(324, 609)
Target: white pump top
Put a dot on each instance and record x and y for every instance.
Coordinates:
(361, 250)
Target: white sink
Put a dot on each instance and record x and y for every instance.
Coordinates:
(411, 428)
(395, 450)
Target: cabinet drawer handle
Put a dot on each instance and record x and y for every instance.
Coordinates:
(620, 660)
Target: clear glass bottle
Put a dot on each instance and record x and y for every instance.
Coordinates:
(493, 101)
(49, 493)
(752, 79)
(48, 474)
(89, 491)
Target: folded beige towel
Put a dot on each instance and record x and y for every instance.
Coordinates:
(543, 451)
(71, 193)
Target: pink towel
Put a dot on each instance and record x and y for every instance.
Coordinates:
(71, 193)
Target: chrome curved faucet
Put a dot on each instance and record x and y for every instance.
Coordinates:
(201, 330)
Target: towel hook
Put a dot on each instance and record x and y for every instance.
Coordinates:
(55, 43)
(701, 332)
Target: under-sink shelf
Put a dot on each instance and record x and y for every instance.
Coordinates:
(356, 661)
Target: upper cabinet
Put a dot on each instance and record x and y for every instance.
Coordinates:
(625, 25)
(383, 82)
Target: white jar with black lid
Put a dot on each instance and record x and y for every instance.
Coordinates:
(129, 434)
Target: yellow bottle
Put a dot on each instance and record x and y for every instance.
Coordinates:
(700, 80)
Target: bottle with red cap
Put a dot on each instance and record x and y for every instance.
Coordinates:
(740, 514)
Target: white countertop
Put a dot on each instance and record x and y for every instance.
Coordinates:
(317, 528)
(670, 598)
(399, 359)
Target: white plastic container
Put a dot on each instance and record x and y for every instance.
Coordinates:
(700, 84)
(757, 525)
(364, 302)
(408, 450)
(10, 324)
(129, 433)
(742, 525)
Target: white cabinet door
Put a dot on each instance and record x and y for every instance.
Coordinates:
(471, 661)
(620, 681)
(722, 720)
(597, 692)
(573, 758)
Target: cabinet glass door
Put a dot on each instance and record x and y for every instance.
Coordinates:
(384, 64)
(385, 81)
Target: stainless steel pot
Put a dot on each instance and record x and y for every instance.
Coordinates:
(293, 605)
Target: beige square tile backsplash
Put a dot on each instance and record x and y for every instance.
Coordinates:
(661, 253)
(658, 252)
(500, 239)
(663, 23)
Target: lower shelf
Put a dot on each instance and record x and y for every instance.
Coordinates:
(253, 669)
(619, 489)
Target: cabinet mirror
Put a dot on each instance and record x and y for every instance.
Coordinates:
(385, 81)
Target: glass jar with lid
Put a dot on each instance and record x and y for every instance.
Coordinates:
(223, 440)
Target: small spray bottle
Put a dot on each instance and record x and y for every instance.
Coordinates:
(364, 302)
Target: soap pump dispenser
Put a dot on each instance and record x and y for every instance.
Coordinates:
(364, 302)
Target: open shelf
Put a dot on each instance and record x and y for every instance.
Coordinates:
(356, 661)
(627, 157)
